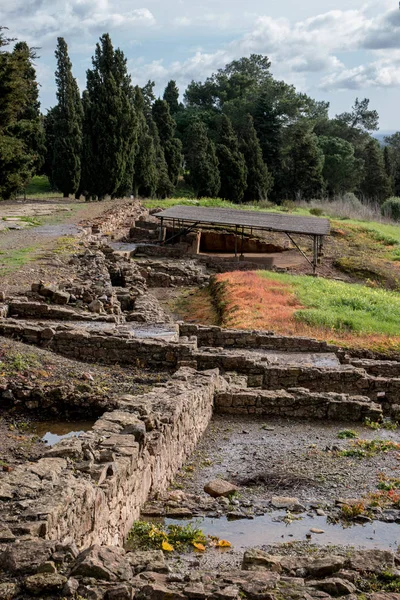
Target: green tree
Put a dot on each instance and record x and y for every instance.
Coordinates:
(393, 143)
(67, 126)
(21, 131)
(232, 165)
(375, 184)
(171, 145)
(201, 161)
(145, 165)
(269, 131)
(259, 180)
(171, 96)
(342, 170)
(110, 124)
(303, 162)
(360, 117)
(49, 134)
(164, 187)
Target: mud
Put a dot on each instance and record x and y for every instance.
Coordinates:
(291, 458)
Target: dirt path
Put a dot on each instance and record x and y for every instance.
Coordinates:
(33, 253)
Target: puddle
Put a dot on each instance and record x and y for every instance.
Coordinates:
(123, 246)
(271, 357)
(269, 529)
(51, 433)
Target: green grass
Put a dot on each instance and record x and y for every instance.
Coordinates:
(342, 306)
(39, 187)
(12, 260)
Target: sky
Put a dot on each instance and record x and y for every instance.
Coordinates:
(332, 50)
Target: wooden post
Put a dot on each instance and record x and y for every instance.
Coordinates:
(241, 245)
(315, 257)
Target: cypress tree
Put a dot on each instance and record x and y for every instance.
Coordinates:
(21, 130)
(269, 129)
(67, 126)
(171, 96)
(110, 124)
(145, 164)
(49, 133)
(304, 161)
(164, 187)
(232, 165)
(376, 184)
(259, 180)
(170, 144)
(389, 170)
(201, 161)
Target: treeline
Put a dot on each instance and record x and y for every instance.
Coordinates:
(240, 135)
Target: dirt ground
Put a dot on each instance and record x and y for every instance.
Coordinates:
(286, 457)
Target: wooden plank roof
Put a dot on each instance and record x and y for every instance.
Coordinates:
(247, 218)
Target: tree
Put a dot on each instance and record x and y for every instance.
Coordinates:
(171, 96)
(21, 131)
(393, 144)
(67, 126)
(232, 165)
(342, 171)
(171, 145)
(110, 124)
(164, 187)
(49, 134)
(360, 116)
(269, 131)
(375, 184)
(201, 161)
(259, 180)
(145, 165)
(303, 162)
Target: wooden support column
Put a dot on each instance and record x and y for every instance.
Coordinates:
(315, 254)
(236, 244)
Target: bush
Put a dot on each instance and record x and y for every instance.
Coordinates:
(351, 199)
(391, 208)
(317, 212)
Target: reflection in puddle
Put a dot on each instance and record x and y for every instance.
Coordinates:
(51, 433)
(269, 529)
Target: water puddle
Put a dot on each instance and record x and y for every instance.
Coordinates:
(270, 529)
(123, 246)
(51, 433)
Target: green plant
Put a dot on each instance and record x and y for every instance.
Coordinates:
(352, 511)
(317, 212)
(151, 535)
(366, 448)
(391, 208)
(347, 434)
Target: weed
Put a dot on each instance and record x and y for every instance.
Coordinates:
(352, 511)
(173, 537)
(385, 424)
(347, 434)
(388, 483)
(367, 448)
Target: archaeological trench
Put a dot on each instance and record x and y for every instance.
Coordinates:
(249, 416)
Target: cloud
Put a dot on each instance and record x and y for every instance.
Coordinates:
(319, 46)
(39, 21)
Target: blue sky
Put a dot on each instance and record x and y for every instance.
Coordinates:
(332, 50)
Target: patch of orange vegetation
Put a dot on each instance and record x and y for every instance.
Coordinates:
(254, 302)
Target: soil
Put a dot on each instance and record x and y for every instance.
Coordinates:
(285, 457)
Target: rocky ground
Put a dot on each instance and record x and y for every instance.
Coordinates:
(292, 499)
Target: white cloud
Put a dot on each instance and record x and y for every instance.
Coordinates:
(39, 21)
(320, 45)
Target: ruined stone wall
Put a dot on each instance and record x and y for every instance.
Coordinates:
(236, 338)
(89, 490)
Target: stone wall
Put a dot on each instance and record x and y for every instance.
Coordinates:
(89, 490)
(297, 404)
(236, 338)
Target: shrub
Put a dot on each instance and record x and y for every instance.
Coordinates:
(317, 212)
(391, 208)
(351, 199)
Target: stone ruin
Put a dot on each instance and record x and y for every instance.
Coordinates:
(65, 517)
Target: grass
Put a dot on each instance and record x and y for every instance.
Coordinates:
(368, 448)
(39, 187)
(12, 260)
(351, 315)
(196, 307)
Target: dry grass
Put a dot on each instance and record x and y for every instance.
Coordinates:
(196, 307)
(251, 301)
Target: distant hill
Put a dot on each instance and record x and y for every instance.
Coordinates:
(380, 135)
